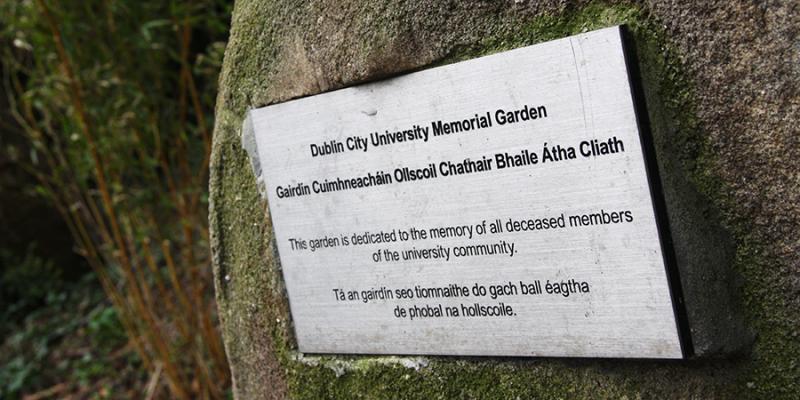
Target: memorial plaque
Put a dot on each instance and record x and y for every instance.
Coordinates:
(504, 205)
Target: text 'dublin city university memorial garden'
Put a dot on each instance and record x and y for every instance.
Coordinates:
(505, 205)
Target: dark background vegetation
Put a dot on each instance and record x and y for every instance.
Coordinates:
(105, 121)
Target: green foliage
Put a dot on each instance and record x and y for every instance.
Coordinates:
(127, 57)
(115, 100)
(26, 279)
(105, 328)
(70, 338)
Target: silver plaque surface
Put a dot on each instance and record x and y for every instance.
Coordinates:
(496, 206)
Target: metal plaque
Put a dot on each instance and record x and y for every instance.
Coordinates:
(504, 205)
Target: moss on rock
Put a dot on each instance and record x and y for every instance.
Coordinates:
(283, 49)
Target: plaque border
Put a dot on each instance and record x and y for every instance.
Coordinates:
(657, 197)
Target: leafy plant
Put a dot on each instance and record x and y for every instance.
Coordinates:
(115, 100)
(25, 280)
(69, 343)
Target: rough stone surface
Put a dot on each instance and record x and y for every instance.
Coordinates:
(722, 84)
